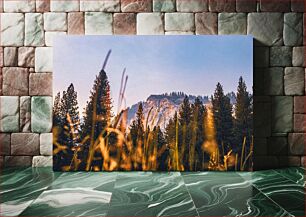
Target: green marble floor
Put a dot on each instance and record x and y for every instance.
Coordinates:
(42, 192)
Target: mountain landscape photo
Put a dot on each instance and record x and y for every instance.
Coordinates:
(199, 119)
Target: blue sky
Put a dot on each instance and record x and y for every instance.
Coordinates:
(154, 64)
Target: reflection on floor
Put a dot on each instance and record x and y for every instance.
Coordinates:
(42, 192)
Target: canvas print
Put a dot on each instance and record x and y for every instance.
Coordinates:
(153, 103)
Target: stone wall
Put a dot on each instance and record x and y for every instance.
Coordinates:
(28, 27)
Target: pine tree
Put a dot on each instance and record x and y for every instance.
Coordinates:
(222, 111)
(56, 110)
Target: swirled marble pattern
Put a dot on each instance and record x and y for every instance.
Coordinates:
(42, 192)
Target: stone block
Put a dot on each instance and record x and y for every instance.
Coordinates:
(9, 115)
(294, 81)
(42, 161)
(55, 21)
(136, 5)
(179, 33)
(259, 82)
(261, 147)
(19, 6)
(1, 81)
(293, 29)
(25, 144)
(297, 5)
(26, 56)
(261, 56)
(265, 162)
(267, 28)
(17, 161)
(150, 24)
(179, 22)
(1, 56)
(42, 5)
(12, 29)
(40, 84)
(296, 143)
(278, 146)
(274, 81)
(299, 123)
(299, 56)
(124, 24)
(272, 6)
(299, 104)
(15, 81)
(64, 6)
(98, 23)
(280, 56)
(262, 120)
(25, 114)
(206, 23)
(191, 5)
(289, 161)
(5, 144)
(34, 29)
(100, 5)
(246, 5)
(49, 37)
(44, 59)
(10, 55)
(41, 114)
(222, 5)
(303, 161)
(282, 114)
(76, 23)
(232, 24)
(46, 145)
(163, 5)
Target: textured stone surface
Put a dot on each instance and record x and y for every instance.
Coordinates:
(289, 161)
(261, 56)
(55, 21)
(26, 56)
(265, 162)
(191, 5)
(9, 115)
(12, 28)
(10, 56)
(40, 84)
(49, 37)
(136, 5)
(297, 5)
(298, 56)
(1, 56)
(1, 81)
(296, 143)
(41, 114)
(163, 5)
(25, 144)
(262, 121)
(206, 23)
(179, 22)
(25, 114)
(44, 59)
(101, 5)
(42, 5)
(18, 161)
(232, 23)
(279, 6)
(299, 104)
(299, 123)
(98, 23)
(65, 6)
(34, 30)
(46, 140)
(76, 23)
(267, 28)
(282, 117)
(179, 33)
(261, 147)
(246, 5)
(124, 24)
(15, 81)
(278, 146)
(5, 144)
(221, 5)
(274, 81)
(42, 161)
(19, 6)
(150, 24)
(258, 82)
(293, 29)
(280, 56)
(294, 81)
